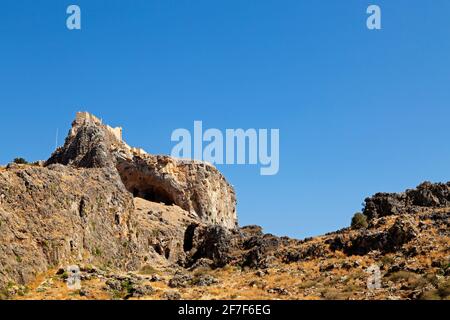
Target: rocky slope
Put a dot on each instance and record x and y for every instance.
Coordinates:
(153, 227)
(89, 203)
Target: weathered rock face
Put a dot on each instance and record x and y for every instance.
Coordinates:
(430, 195)
(87, 146)
(426, 195)
(159, 237)
(210, 242)
(196, 187)
(97, 200)
(384, 204)
(403, 231)
(246, 247)
(58, 214)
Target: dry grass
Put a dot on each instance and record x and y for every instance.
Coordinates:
(298, 280)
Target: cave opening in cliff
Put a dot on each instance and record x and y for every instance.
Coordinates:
(152, 193)
(144, 186)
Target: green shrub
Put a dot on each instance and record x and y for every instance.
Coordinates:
(359, 221)
(65, 275)
(20, 161)
(97, 252)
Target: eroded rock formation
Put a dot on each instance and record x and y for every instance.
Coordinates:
(195, 186)
(111, 209)
(426, 195)
(98, 200)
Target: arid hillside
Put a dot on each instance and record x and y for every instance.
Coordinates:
(142, 226)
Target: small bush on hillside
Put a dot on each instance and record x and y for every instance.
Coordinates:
(359, 221)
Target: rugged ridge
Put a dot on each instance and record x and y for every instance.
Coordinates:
(426, 195)
(97, 200)
(149, 226)
(195, 186)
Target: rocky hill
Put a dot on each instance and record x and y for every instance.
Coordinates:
(142, 226)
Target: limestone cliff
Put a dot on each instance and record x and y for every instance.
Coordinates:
(97, 200)
(195, 186)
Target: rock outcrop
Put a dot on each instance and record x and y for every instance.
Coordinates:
(140, 225)
(97, 200)
(195, 186)
(56, 215)
(390, 240)
(246, 247)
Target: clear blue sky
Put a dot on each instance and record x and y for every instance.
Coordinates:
(359, 111)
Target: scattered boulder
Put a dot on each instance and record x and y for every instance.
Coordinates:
(279, 290)
(430, 194)
(260, 249)
(426, 195)
(141, 290)
(391, 240)
(204, 280)
(202, 263)
(113, 284)
(195, 186)
(384, 204)
(180, 280)
(211, 242)
(172, 295)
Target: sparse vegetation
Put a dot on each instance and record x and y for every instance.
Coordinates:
(359, 221)
(20, 161)
(307, 284)
(64, 275)
(401, 275)
(334, 294)
(410, 280)
(387, 260)
(97, 252)
(441, 293)
(444, 289)
(12, 290)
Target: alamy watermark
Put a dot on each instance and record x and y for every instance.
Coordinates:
(374, 279)
(73, 21)
(374, 20)
(73, 280)
(236, 146)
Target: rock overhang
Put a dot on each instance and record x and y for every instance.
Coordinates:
(195, 186)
